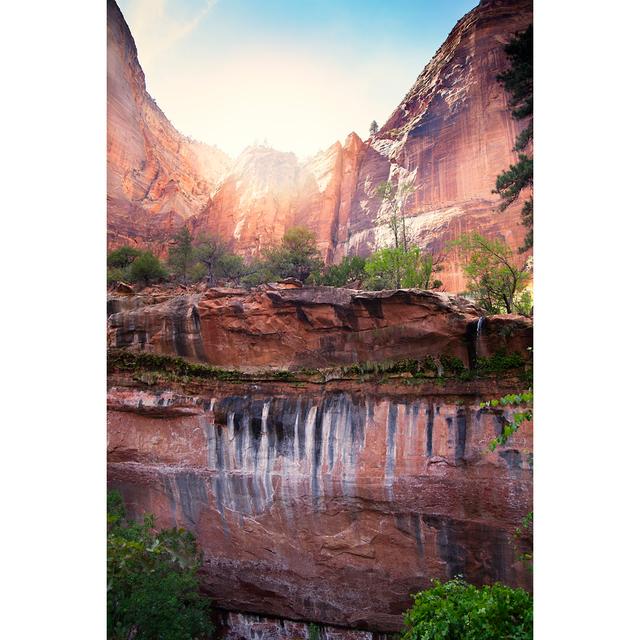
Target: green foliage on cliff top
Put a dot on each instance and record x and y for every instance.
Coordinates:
(177, 368)
(150, 368)
(456, 610)
(152, 586)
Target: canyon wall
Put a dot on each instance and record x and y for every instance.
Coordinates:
(156, 177)
(321, 494)
(326, 503)
(450, 137)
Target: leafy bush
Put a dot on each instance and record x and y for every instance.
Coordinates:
(523, 304)
(296, 257)
(392, 268)
(121, 258)
(197, 272)
(117, 274)
(521, 401)
(494, 278)
(152, 588)
(452, 364)
(500, 361)
(350, 269)
(146, 268)
(457, 610)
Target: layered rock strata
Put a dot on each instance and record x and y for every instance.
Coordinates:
(330, 503)
(309, 327)
(326, 497)
(241, 626)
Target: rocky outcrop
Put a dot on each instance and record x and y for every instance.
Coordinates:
(241, 626)
(328, 503)
(156, 177)
(309, 327)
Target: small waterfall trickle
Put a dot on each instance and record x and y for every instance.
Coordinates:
(478, 341)
(472, 335)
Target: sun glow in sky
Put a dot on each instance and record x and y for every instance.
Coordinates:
(298, 74)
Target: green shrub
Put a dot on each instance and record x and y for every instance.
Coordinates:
(523, 304)
(152, 586)
(350, 269)
(452, 364)
(146, 268)
(122, 257)
(394, 268)
(196, 272)
(117, 274)
(296, 257)
(500, 361)
(456, 610)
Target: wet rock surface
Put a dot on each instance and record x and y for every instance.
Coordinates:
(325, 504)
(240, 626)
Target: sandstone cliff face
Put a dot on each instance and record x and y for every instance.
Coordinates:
(269, 191)
(309, 327)
(156, 177)
(325, 504)
(327, 498)
(450, 137)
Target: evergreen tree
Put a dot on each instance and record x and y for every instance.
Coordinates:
(373, 128)
(518, 82)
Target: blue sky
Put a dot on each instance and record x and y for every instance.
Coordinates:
(299, 75)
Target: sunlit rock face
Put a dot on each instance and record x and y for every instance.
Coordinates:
(267, 192)
(326, 504)
(309, 327)
(450, 136)
(156, 177)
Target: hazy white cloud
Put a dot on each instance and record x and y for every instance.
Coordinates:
(158, 24)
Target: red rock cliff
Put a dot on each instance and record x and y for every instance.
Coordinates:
(268, 191)
(156, 177)
(330, 503)
(334, 495)
(450, 136)
(309, 327)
